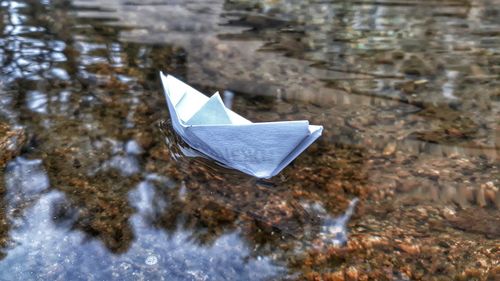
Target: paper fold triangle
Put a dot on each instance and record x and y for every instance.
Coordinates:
(212, 112)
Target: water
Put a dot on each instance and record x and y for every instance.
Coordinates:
(96, 186)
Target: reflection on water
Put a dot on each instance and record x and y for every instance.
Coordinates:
(407, 92)
(58, 253)
(24, 179)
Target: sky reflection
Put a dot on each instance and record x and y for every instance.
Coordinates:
(48, 249)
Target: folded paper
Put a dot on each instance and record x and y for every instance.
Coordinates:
(207, 125)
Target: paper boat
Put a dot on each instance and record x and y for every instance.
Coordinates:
(258, 149)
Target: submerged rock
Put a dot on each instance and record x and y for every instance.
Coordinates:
(475, 220)
(11, 142)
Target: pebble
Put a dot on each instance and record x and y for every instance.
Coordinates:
(389, 149)
(352, 273)
(410, 248)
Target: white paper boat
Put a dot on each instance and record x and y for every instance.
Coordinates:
(258, 149)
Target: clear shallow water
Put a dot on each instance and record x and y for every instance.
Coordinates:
(96, 187)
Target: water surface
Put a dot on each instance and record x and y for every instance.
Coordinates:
(96, 186)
